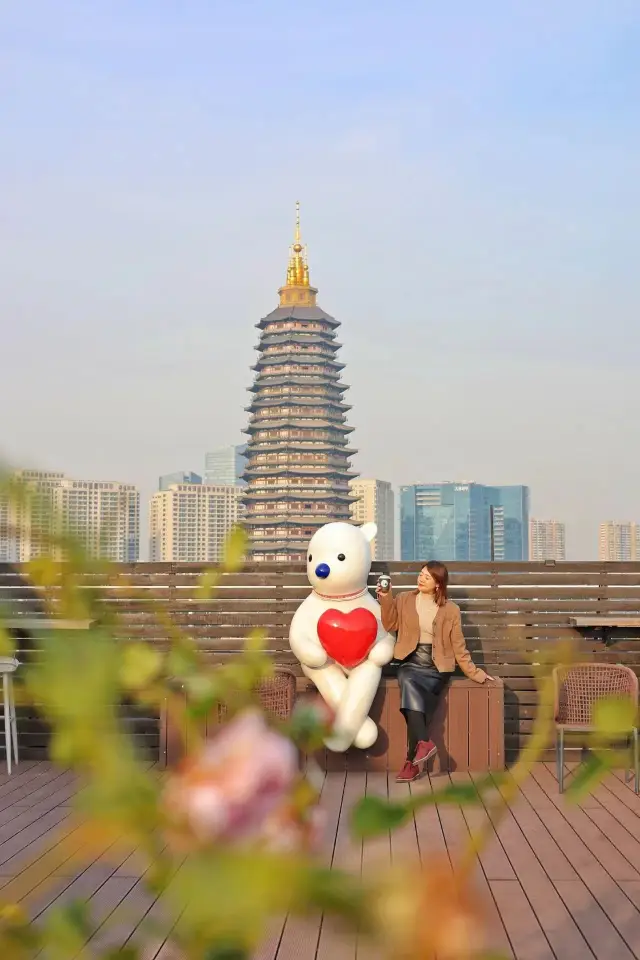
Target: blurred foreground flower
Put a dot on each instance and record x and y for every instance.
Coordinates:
(422, 913)
(241, 787)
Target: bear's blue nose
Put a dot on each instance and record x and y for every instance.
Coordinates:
(323, 570)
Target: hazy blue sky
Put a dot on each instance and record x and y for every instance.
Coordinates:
(469, 175)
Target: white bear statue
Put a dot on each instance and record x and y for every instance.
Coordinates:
(336, 632)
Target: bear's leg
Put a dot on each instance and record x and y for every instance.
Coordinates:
(330, 682)
(366, 735)
(353, 725)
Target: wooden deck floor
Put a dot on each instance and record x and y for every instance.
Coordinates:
(560, 881)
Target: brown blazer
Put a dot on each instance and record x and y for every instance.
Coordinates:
(401, 613)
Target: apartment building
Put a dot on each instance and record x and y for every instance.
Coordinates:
(189, 522)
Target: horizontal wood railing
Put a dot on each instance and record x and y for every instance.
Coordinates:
(512, 613)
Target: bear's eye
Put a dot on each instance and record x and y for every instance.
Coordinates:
(310, 558)
(341, 556)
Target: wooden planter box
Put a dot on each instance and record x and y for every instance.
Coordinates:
(468, 730)
(276, 694)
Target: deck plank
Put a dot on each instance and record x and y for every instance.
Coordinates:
(560, 880)
(550, 855)
(555, 921)
(525, 934)
(600, 933)
(335, 943)
(376, 853)
(300, 935)
(593, 875)
(615, 783)
(602, 849)
(492, 863)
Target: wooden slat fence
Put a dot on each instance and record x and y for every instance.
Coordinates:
(512, 613)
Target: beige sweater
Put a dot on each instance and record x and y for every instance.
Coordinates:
(427, 611)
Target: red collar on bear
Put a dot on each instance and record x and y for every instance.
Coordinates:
(343, 596)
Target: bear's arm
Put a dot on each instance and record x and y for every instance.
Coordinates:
(307, 648)
(382, 651)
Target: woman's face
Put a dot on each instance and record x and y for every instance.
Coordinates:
(426, 583)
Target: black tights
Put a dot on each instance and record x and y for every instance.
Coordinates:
(418, 725)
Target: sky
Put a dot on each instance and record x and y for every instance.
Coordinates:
(469, 182)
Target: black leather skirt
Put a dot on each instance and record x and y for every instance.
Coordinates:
(420, 680)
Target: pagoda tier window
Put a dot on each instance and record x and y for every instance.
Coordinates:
(280, 349)
(297, 370)
(306, 326)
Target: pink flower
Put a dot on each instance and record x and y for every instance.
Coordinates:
(239, 780)
(287, 830)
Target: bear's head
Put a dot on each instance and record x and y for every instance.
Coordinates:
(339, 558)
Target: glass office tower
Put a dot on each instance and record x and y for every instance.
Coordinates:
(464, 521)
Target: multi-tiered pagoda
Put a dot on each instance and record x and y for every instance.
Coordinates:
(298, 455)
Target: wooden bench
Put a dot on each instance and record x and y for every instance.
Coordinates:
(468, 729)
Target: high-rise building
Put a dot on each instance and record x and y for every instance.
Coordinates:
(619, 540)
(181, 476)
(298, 455)
(190, 522)
(102, 516)
(546, 540)
(464, 521)
(6, 533)
(225, 465)
(375, 504)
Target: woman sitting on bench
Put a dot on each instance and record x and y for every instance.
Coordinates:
(429, 642)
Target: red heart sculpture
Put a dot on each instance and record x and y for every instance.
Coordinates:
(348, 637)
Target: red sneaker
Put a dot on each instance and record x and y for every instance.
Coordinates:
(424, 751)
(409, 773)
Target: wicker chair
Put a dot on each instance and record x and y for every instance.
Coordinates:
(276, 694)
(577, 689)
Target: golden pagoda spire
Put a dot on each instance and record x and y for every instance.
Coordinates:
(297, 290)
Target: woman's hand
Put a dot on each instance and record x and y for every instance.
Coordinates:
(489, 677)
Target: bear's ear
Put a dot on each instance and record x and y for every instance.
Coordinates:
(369, 530)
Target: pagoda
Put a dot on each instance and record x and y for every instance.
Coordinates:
(298, 469)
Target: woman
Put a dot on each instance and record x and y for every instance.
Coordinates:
(429, 642)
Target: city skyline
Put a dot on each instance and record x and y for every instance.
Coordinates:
(617, 540)
(468, 184)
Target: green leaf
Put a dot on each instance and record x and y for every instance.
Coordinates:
(614, 716)
(333, 891)
(226, 952)
(202, 695)
(7, 643)
(587, 777)
(141, 663)
(307, 726)
(225, 897)
(234, 550)
(43, 571)
(182, 662)
(462, 794)
(67, 930)
(374, 815)
(208, 583)
(256, 640)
